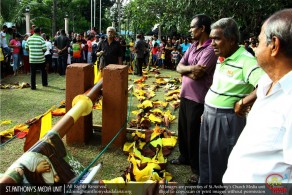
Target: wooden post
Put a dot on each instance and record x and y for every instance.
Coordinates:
(115, 103)
(79, 78)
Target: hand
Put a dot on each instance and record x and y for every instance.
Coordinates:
(191, 76)
(240, 109)
(99, 53)
(43, 166)
(197, 72)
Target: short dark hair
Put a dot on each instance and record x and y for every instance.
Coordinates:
(204, 20)
(37, 30)
(17, 35)
(139, 36)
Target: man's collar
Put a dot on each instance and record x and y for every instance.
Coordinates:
(236, 53)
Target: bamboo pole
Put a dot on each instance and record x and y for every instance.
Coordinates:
(81, 108)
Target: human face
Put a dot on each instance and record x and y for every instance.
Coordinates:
(195, 30)
(110, 33)
(262, 50)
(78, 37)
(221, 45)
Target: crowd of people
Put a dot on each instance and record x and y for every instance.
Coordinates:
(63, 49)
(234, 123)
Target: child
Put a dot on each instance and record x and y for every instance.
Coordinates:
(77, 51)
(127, 55)
(175, 57)
(162, 58)
(154, 54)
(158, 54)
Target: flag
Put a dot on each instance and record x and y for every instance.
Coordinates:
(46, 124)
(97, 73)
(37, 129)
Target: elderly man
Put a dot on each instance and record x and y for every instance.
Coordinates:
(110, 50)
(263, 152)
(197, 68)
(227, 101)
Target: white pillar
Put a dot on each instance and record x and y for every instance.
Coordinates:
(91, 14)
(67, 25)
(159, 32)
(119, 16)
(99, 16)
(94, 13)
(27, 19)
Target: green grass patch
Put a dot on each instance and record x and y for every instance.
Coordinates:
(20, 105)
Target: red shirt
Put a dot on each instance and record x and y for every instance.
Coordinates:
(15, 42)
(154, 50)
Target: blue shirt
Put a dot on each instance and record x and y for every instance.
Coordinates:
(24, 51)
(185, 47)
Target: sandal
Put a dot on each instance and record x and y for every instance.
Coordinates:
(193, 179)
(177, 161)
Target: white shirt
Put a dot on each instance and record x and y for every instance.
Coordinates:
(264, 147)
(31, 160)
(49, 47)
(3, 39)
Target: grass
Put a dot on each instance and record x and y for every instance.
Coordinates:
(19, 105)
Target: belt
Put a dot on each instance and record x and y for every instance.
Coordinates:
(218, 110)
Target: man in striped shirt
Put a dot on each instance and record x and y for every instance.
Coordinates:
(227, 101)
(36, 46)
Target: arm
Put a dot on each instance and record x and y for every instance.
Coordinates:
(193, 72)
(204, 65)
(242, 107)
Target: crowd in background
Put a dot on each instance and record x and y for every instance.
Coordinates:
(81, 48)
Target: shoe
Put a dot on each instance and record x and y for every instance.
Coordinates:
(33, 88)
(194, 179)
(178, 162)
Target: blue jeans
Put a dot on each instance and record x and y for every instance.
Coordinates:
(16, 62)
(89, 59)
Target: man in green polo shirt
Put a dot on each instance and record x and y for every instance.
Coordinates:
(227, 101)
(36, 46)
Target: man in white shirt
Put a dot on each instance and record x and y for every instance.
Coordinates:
(4, 45)
(263, 152)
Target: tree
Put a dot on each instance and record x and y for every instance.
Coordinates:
(249, 14)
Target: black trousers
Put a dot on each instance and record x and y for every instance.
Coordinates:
(62, 62)
(139, 65)
(189, 122)
(33, 68)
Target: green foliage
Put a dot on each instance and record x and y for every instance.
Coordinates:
(172, 13)
(140, 15)
(42, 12)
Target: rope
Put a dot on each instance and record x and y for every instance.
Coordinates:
(40, 116)
(105, 148)
(9, 140)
